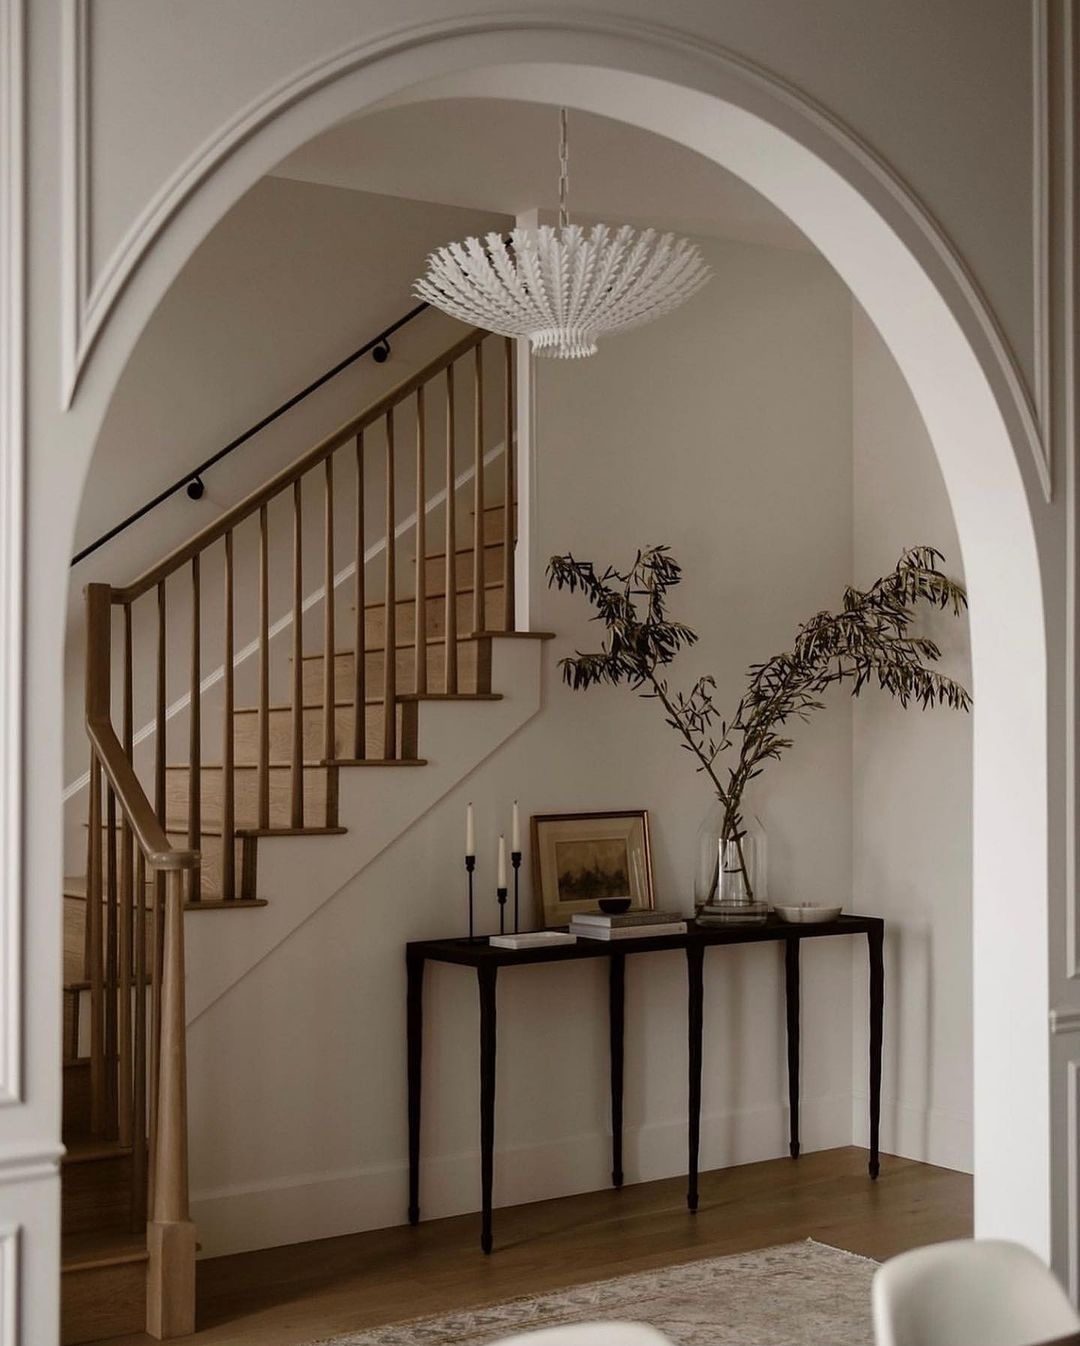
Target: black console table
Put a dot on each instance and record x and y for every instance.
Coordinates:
(478, 954)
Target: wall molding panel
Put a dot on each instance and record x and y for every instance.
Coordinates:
(78, 307)
(9, 1286)
(89, 300)
(13, 191)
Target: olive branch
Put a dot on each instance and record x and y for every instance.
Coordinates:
(868, 640)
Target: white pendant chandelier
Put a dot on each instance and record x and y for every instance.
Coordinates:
(562, 287)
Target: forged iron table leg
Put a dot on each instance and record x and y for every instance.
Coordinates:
(695, 958)
(486, 979)
(616, 1022)
(415, 1037)
(875, 941)
(791, 990)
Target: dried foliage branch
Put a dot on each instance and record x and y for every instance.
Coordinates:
(869, 640)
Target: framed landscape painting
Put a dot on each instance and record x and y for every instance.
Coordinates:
(580, 858)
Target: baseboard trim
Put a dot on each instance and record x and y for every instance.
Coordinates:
(304, 1207)
(926, 1135)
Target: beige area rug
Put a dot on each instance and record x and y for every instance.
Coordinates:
(801, 1294)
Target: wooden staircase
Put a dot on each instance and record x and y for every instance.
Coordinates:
(128, 1242)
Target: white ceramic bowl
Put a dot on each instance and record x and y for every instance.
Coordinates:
(808, 913)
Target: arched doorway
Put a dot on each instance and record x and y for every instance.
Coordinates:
(915, 291)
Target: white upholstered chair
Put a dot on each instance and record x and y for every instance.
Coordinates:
(969, 1293)
(590, 1334)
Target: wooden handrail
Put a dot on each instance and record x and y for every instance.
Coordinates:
(148, 831)
(287, 476)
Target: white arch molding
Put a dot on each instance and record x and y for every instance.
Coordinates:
(916, 290)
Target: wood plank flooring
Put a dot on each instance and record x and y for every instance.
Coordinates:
(285, 1296)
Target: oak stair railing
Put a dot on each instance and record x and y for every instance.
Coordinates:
(145, 864)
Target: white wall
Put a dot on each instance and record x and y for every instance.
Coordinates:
(725, 431)
(911, 793)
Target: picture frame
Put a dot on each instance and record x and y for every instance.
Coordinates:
(579, 858)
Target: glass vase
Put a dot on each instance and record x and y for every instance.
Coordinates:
(730, 875)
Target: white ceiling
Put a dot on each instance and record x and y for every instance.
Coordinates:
(502, 156)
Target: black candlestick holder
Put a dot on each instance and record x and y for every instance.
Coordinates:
(515, 860)
(501, 892)
(470, 869)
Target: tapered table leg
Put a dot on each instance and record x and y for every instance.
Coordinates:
(695, 960)
(617, 1019)
(486, 979)
(791, 990)
(875, 941)
(414, 969)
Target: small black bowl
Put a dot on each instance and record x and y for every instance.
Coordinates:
(614, 906)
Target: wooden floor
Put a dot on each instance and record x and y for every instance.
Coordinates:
(284, 1296)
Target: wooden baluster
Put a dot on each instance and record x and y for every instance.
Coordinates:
(157, 962)
(360, 633)
(195, 734)
(451, 540)
(297, 772)
(360, 638)
(264, 668)
(509, 614)
(420, 644)
(76, 1001)
(160, 727)
(138, 1082)
(127, 912)
(390, 594)
(170, 1282)
(228, 774)
(329, 639)
(111, 982)
(478, 491)
(95, 950)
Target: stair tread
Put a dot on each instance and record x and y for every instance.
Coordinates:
(75, 886)
(450, 696)
(462, 551)
(89, 1149)
(409, 643)
(179, 827)
(431, 596)
(83, 1252)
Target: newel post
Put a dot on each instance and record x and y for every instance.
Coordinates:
(170, 1234)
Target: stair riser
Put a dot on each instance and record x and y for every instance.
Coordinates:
(102, 1302)
(96, 1194)
(246, 794)
(76, 1119)
(494, 519)
(435, 569)
(280, 730)
(210, 848)
(375, 618)
(375, 663)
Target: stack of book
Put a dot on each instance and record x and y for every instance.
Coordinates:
(629, 925)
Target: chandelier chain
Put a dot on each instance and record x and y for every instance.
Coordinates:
(564, 170)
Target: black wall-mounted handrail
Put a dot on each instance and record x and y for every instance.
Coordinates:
(379, 346)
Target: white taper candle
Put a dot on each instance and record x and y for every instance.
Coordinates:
(470, 831)
(515, 831)
(502, 862)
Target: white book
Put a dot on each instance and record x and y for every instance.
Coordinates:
(532, 939)
(628, 931)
